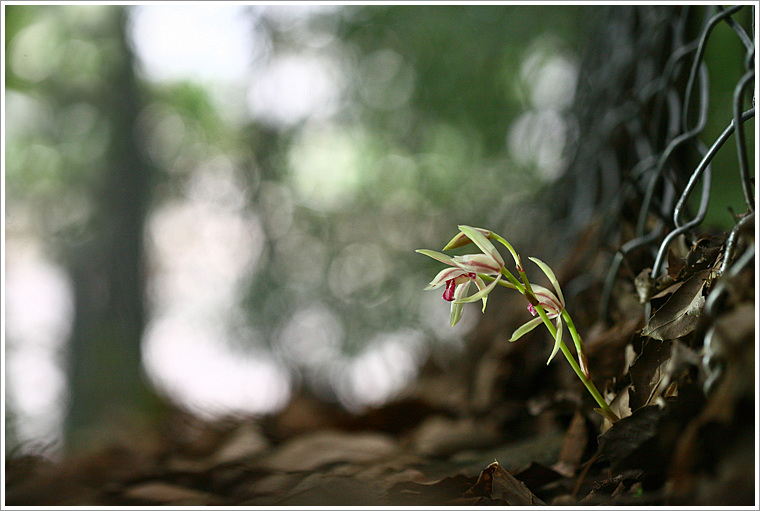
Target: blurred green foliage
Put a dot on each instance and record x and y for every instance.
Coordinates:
(429, 97)
(724, 57)
(417, 144)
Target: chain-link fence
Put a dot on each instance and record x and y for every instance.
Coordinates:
(643, 106)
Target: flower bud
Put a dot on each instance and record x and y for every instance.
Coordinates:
(461, 239)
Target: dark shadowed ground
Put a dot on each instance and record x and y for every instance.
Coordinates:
(499, 428)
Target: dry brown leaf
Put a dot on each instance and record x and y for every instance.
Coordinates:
(310, 452)
(606, 347)
(245, 442)
(440, 436)
(624, 440)
(443, 492)
(163, 493)
(676, 264)
(573, 446)
(500, 485)
(535, 476)
(646, 371)
(681, 359)
(329, 490)
(679, 315)
(644, 285)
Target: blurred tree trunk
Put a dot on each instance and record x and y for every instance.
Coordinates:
(106, 381)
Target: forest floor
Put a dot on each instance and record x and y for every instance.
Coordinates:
(498, 428)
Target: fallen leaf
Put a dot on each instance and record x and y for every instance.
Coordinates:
(625, 438)
(441, 492)
(441, 436)
(706, 252)
(646, 440)
(606, 347)
(573, 446)
(484, 485)
(665, 293)
(602, 489)
(679, 315)
(644, 285)
(645, 371)
(619, 404)
(675, 264)
(500, 485)
(535, 476)
(310, 452)
(329, 490)
(681, 360)
(714, 453)
(163, 493)
(510, 489)
(247, 441)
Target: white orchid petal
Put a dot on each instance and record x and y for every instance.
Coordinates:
(456, 312)
(456, 306)
(461, 290)
(552, 278)
(437, 256)
(481, 286)
(478, 263)
(443, 276)
(548, 300)
(482, 242)
(480, 294)
(524, 329)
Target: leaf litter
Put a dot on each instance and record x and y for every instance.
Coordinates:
(682, 382)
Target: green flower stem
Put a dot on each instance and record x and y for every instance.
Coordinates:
(569, 356)
(508, 245)
(516, 283)
(530, 295)
(504, 283)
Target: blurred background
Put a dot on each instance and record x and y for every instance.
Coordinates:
(218, 205)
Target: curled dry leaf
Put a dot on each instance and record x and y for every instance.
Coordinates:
(644, 285)
(679, 315)
(646, 371)
(500, 485)
(494, 485)
(623, 442)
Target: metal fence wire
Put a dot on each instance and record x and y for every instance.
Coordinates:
(642, 104)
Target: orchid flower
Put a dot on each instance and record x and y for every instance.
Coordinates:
(457, 279)
(465, 270)
(552, 303)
